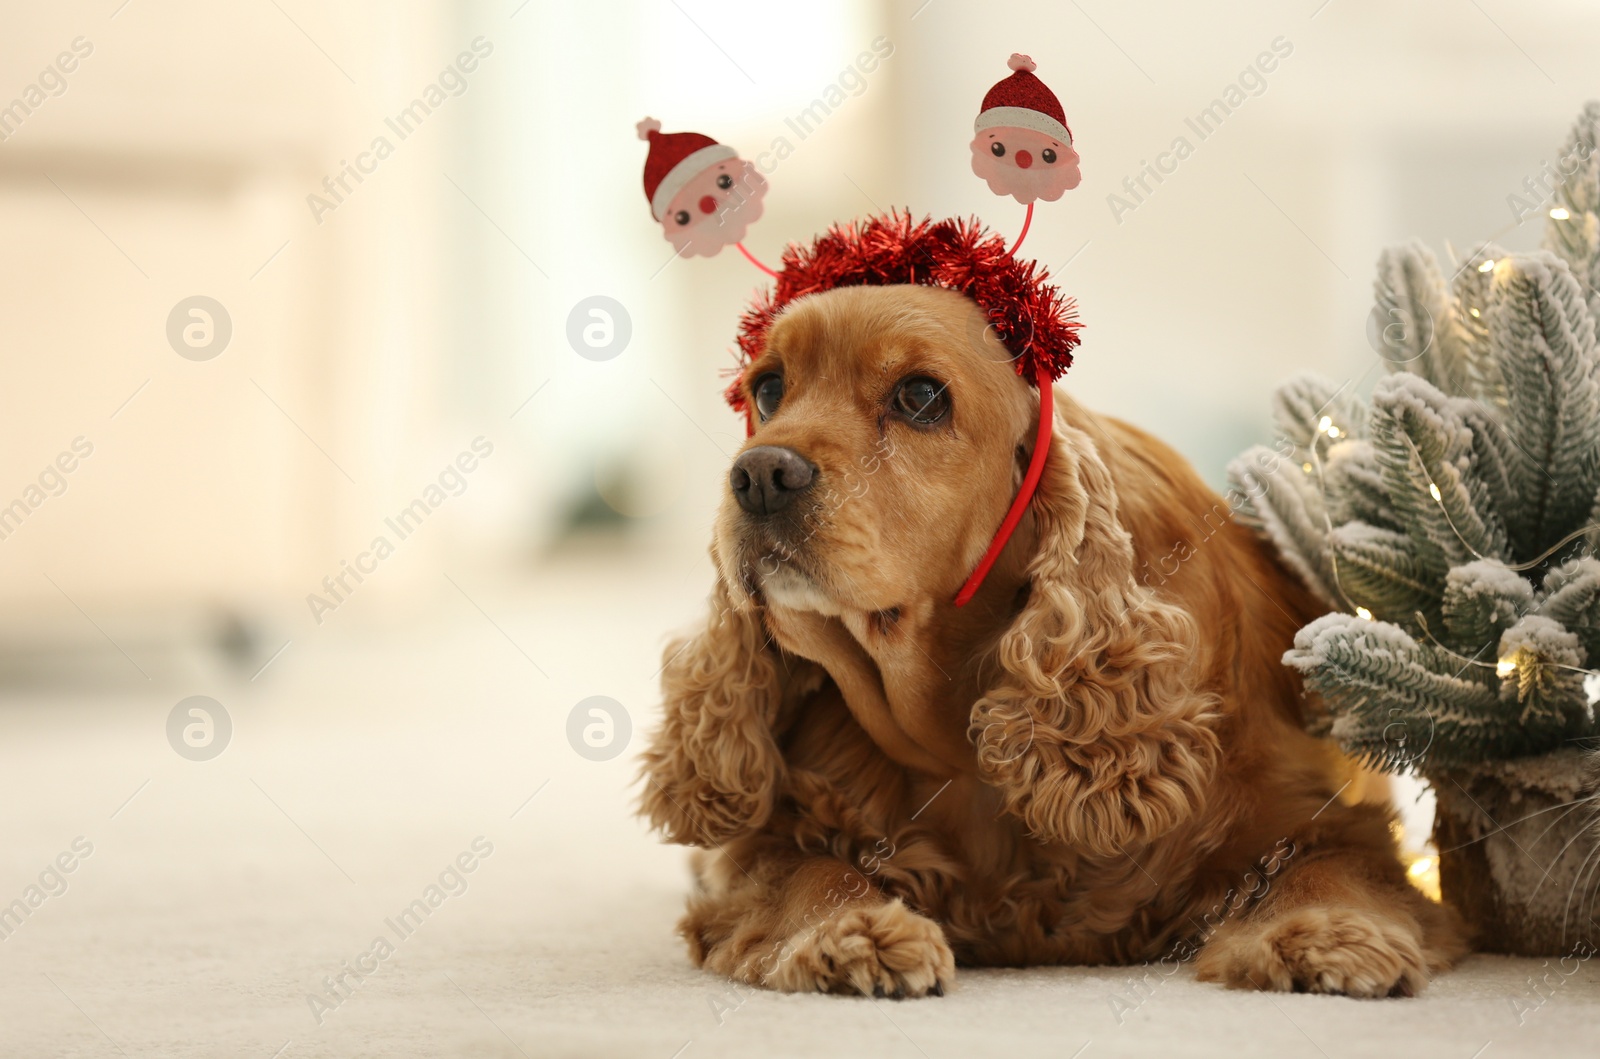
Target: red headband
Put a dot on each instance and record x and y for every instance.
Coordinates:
(1030, 317)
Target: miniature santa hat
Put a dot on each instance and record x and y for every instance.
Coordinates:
(1022, 101)
(676, 158)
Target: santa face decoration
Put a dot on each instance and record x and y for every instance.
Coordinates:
(705, 195)
(1022, 145)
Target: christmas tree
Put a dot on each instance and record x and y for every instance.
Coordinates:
(1451, 522)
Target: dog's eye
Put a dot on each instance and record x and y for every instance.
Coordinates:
(998, 148)
(682, 216)
(724, 182)
(922, 400)
(1049, 156)
(769, 394)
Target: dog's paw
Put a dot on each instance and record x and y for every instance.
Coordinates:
(1319, 950)
(878, 950)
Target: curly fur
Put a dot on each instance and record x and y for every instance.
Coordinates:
(713, 767)
(1101, 735)
(1100, 759)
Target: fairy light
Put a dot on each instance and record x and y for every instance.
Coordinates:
(1433, 491)
(1559, 214)
(1474, 311)
(1324, 423)
(1423, 873)
(1505, 667)
(1487, 266)
(1306, 467)
(1363, 613)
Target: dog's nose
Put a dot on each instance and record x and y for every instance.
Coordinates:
(767, 477)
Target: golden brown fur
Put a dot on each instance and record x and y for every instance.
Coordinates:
(1100, 759)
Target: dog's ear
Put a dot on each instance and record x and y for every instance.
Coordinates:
(1098, 734)
(712, 767)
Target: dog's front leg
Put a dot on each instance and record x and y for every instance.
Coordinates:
(1339, 917)
(781, 919)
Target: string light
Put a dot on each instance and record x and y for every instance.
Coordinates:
(1363, 613)
(1324, 423)
(1505, 667)
(1433, 491)
(1487, 266)
(1424, 875)
(1306, 467)
(1559, 214)
(1474, 311)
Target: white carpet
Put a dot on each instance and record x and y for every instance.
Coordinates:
(362, 764)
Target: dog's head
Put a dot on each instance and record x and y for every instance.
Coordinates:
(891, 433)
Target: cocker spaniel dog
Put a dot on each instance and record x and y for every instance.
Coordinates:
(1099, 760)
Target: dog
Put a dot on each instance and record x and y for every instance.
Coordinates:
(1099, 760)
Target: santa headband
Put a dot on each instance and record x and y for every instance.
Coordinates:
(1022, 148)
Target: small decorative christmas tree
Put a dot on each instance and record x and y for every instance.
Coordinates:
(1452, 523)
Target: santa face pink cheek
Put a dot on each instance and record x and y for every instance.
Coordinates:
(715, 208)
(721, 189)
(1043, 169)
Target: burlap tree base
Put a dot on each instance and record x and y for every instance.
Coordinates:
(1520, 854)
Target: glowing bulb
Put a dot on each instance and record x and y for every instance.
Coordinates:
(1424, 875)
(1559, 214)
(1487, 266)
(1433, 491)
(1474, 312)
(1505, 667)
(1324, 423)
(1591, 688)
(1333, 432)
(1363, 613)
(1306, 467)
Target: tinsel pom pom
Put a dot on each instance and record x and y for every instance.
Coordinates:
(1032, 318)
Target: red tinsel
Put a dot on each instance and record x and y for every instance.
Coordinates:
(1031, 318)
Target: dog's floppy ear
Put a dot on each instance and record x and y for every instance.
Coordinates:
(712, 767)
(1097, 733)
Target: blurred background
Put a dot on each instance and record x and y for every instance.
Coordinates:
(373, 338)
(271, 335)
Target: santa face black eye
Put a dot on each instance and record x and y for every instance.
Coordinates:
(768, 392)
(922, 400)
(1049, 156)
(998, 149)
(682, 216)
(724, 182)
